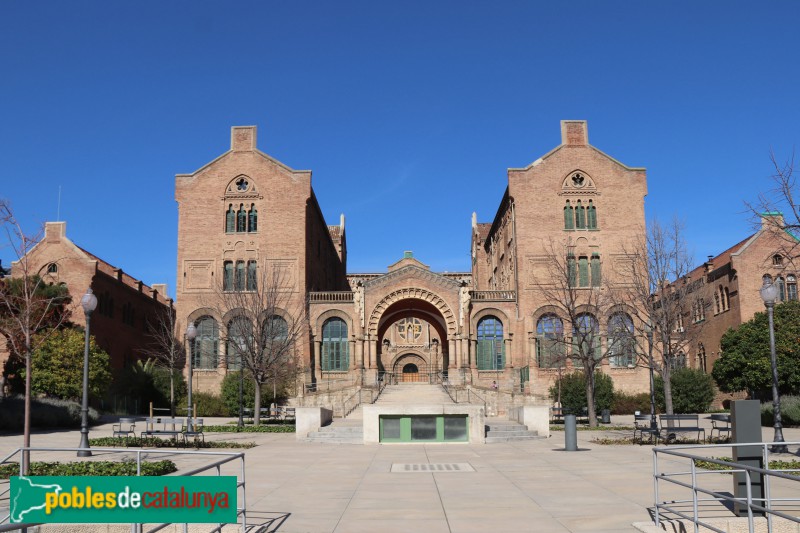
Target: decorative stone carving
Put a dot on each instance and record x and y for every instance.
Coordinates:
(358, 302)
(417, 294)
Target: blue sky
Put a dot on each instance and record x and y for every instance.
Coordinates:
(408, 113)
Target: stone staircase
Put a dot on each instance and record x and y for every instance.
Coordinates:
(340, 431)
(503, 430)
(413, 393)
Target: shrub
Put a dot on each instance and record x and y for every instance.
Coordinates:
(58, 365)
(261, 428)
(573, 391)
(45, 413)
(155, 442)
(692, 391)
(207, 405)
(90, 468)
(790, 412)
(230, 392)
(628, 404)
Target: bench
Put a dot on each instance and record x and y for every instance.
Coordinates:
(721, 423)
(125, 427)
(674, 425)
(158, 426)
(642, 424)
(286, 413)
(557, 414)
(196, 432)
(248, 413)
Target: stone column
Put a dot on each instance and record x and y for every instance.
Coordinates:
(352, 347)
(509, 362)
(473, 353)
(459, 360)
(451, 354)
(373, 350)
(318, 360)
(360, 352)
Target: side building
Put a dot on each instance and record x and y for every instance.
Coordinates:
(127, 308)
(728, 286)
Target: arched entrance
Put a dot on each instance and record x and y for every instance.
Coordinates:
(411, 368)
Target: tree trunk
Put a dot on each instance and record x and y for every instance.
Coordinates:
(172, 393)
(590, 400)
(257, 406)
(665, 375)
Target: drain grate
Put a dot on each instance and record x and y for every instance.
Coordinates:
(431, 467)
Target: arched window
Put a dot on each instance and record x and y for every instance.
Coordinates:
(52, 268)
(777, 260)
(580, 216)
(726, 298)
(716, 303)
(569, 217)
(239, 278)
(240, 342)
(241, 219)
(678, 361)
(701, 309)
(701, 357)
(572, 271)
(276, 338)
(585, 339)
(591, 213)
(596, 276)
(491, 350)
(621, 343)
(230, 219)
(791, 287)
(583, 271)
(252, 216)
(550, 342)
(205, 350)
(227, 277)
(781, 289)
(335, 348)
(252, 269)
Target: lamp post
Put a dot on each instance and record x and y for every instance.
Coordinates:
(769, 293)
(89, 304)
(191, 333)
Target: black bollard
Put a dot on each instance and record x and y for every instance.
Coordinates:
(746, 426)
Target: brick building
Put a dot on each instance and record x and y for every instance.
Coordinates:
(729, 284)
(496, 326)
(125, 304)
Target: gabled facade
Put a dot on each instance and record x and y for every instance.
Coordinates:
(126, 308)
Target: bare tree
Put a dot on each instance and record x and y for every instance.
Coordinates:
(570, 281)
(266, 327)
(27, 304)
(166, 348)
(668, 304)
(779, 209)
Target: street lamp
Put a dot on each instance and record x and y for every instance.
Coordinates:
(89, 304)
(769, 293)
(191, 333)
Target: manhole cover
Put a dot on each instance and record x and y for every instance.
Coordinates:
(432, 467)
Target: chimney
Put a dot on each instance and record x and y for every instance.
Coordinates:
(772, 220)
(54, 231)
(160, 288)
(243, 138)
(710, 263)
(474, 220)
(574, 133)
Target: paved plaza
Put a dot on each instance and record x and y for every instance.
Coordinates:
(297, 487)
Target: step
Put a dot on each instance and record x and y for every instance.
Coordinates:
(341, 429)
(519, 438)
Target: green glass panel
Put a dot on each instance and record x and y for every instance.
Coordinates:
(455, 428)
(391, 428)
(423, 428)
(583, 272)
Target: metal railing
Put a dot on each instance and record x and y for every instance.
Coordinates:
(330, 297)
(460, 395)
(325, 385)
(703, 495)
(225, 457)
(351, 403)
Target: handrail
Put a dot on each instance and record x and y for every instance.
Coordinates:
(345, 410)
(241, 510)
(764, 505)
(481, 398)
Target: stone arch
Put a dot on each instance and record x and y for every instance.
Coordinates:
(416, 294)
(331, 313)
(490, 311)
(409, 356)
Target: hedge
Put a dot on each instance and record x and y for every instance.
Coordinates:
(90, 468)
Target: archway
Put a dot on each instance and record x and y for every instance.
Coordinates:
(412, 331)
